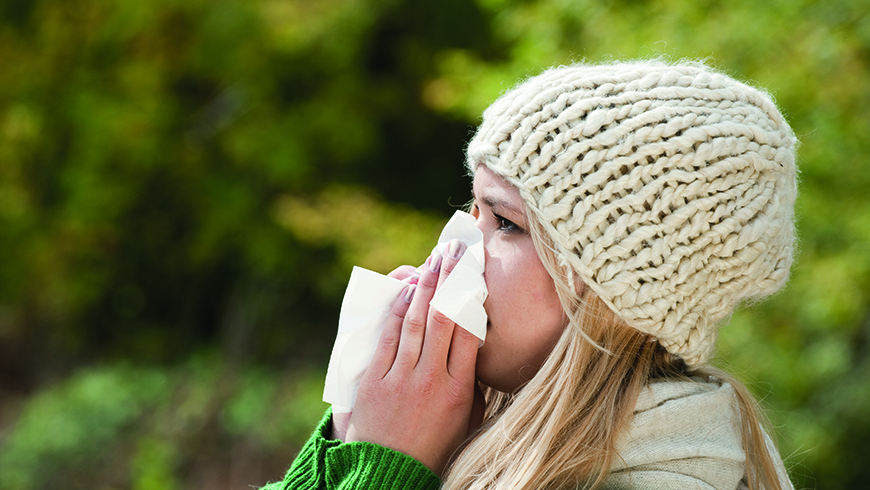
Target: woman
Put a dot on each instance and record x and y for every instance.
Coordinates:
(626, 210)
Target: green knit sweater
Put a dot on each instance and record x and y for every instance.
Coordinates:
(682, 435)
(330, 464)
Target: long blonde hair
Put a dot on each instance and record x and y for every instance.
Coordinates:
(559, 430)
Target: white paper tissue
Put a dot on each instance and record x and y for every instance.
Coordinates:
(370, 296)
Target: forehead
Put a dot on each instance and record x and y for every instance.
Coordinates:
(489, 185)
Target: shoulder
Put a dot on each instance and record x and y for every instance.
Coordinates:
(673, 397)
(683, 434)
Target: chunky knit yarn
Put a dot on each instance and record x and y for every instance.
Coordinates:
(668, 189)
(325, 463)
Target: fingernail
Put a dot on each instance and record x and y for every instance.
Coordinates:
(454, 249)
(435, 262)
(409, 294)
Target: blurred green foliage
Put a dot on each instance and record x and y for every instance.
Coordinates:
(187, 177)
(121, 426)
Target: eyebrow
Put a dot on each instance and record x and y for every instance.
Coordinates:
(496, 203)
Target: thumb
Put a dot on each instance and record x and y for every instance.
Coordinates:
(340, 423)
(478, 409)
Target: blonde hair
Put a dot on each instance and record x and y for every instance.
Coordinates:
(560, 429)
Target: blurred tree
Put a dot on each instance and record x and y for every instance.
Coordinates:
(145, 147)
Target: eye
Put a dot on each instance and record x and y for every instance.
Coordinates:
(506, 225)
(501, 223)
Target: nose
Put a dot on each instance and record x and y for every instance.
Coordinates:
(478, 222)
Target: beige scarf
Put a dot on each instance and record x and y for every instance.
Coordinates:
(683, 436)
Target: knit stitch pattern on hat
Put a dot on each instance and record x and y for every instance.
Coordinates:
(668, 189)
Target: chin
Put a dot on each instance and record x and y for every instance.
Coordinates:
(497, 382)
(509, 380)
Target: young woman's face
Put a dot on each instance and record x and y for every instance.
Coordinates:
(525, 315)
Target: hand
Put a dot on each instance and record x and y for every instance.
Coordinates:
(341, 420)
(417, 395)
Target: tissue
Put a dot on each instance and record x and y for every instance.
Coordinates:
(461, 296)
(370, 296)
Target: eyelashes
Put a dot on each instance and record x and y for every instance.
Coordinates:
(503, 224)
(506, 225)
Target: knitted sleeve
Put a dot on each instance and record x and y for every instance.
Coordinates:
(326, 464)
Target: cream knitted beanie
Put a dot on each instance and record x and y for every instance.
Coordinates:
(668, 189)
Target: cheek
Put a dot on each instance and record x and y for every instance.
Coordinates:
(541, 296)
(538, 282)
(518, 281)
(506, 277)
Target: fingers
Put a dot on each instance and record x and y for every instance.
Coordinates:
(340, 423)
(439, 328)
(463, 353)
(455, 250)
(463, 345)
(406, 273)
(478, 410)
(426, 334)
(414, 325)
(385, 353)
